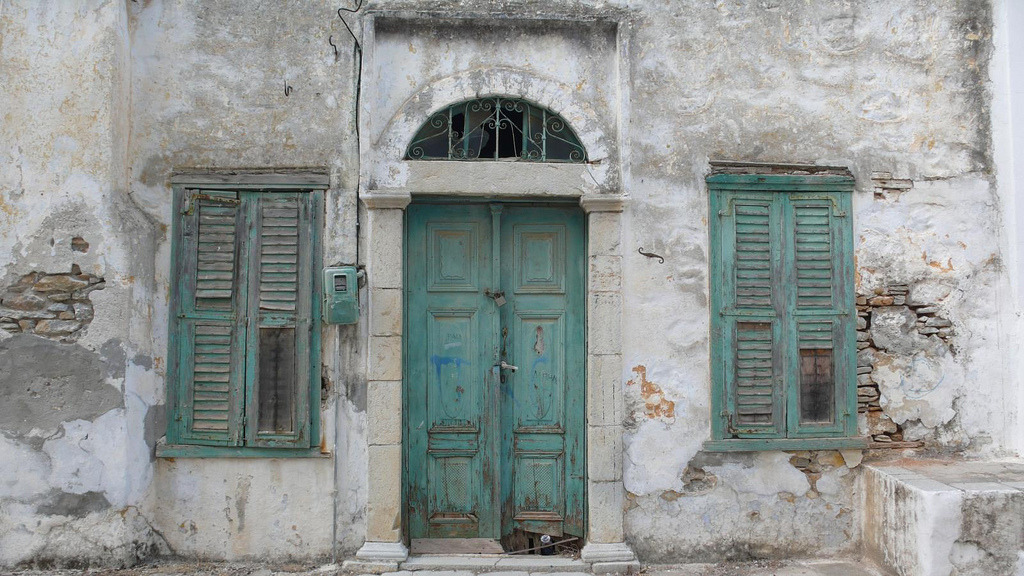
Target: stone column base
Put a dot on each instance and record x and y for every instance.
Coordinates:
(377, 558)
(615, 558)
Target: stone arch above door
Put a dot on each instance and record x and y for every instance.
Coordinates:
(497, 128)
(388, 168)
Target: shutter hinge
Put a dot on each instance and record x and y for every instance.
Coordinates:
(192, 202)
(728, 423)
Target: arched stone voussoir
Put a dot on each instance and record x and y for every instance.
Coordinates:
(595, 128)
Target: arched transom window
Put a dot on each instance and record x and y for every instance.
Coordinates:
(496, 128)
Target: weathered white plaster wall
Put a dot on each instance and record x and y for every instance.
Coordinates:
(101, 101)
(877, 86)
(76, 415)
(1008, 134)
(208, 90)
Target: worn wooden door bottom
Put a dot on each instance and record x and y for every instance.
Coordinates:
(455, 546)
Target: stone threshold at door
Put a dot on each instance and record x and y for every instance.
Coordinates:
(494, 563)
(452, 565)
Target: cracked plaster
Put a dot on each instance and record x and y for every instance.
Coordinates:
(876, 85)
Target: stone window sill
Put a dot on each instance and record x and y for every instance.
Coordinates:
(164, 450)
(760, 444)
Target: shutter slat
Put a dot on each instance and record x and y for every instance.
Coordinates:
(752, 258)
(813, 251)
(216, 248)
(754, 374)
(279, 254)
(211, 379)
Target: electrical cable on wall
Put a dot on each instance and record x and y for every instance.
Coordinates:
(358, 53)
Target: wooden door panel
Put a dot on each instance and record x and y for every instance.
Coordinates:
(538, 387)
(542, 266)
(449, 354)
(454, 253)
(539, 253)
(454, 406)
(490, 450)
(454, 396)
(539, 478)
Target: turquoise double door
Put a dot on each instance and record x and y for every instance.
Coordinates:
(495, 370)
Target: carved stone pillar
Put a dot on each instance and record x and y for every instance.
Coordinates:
(384, 547)
(606, 545)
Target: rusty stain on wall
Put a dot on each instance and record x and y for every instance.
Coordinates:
(655, 403)
(948, 267)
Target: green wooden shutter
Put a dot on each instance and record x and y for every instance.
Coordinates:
(210, 331)
(820, 329)
(746, 301)
(783, 341)
(281, 294)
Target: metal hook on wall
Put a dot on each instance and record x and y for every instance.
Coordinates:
(650, 255)
(330, 40)
(287, 89)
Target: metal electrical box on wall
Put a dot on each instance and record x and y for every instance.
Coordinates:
(341, 295)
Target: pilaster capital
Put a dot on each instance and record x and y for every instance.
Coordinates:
(602, 203)
(385, 199)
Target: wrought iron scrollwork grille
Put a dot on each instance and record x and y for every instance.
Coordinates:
(496, 128)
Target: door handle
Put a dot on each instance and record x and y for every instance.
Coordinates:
(506, 366)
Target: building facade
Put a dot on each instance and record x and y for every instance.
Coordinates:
(687, 281)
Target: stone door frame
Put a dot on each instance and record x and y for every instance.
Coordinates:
(384, 264)
(383, 200)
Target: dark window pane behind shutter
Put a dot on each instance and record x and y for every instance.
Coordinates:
(816, 386)
(277, 380)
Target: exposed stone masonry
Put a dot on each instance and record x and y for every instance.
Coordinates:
(814, 463)
(889, 188)
(873, 309)
(55, 306)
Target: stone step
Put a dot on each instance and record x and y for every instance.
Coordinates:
(945, 517)
(494, 563)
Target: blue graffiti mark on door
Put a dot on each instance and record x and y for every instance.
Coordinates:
(440, 362)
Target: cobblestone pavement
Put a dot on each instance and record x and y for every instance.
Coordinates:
(765, 568)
